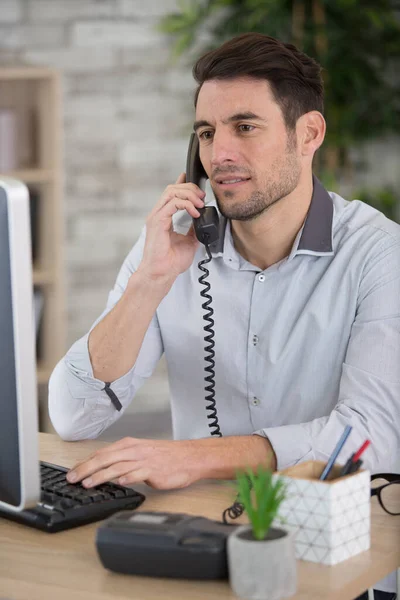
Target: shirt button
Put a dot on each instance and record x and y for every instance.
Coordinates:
(255, 401)
(255, 340)
(261, 278)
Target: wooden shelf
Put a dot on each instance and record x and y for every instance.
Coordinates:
(34, 94)
(31, 175)
(43, 373)
(42, 277)
(24, 72)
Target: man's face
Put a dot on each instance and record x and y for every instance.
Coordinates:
(246, 150)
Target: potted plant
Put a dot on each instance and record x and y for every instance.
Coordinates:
(261, 558)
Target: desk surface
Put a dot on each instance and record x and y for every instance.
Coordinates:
(39, 566)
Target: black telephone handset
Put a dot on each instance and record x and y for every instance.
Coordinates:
(207, 225)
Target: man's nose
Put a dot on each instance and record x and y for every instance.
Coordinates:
(223, 150)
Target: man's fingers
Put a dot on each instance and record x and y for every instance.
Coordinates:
(182, 193)
(135, 476)
(119, 445)
(99, 462)
(177, 204)
(111, 473)
(181, 178)
(181, 189)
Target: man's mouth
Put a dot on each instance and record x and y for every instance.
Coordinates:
(231, 181)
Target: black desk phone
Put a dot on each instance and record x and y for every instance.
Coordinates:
(160, 544)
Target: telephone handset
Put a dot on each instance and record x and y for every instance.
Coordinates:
(207, 225)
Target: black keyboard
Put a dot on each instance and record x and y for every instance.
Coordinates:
(64, 505)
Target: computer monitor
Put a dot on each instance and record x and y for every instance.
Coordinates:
(19, 454)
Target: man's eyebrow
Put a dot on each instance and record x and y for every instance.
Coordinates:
(242, 116)
(200, 123)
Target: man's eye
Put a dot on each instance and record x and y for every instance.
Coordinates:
(206, 135)
(246, 128)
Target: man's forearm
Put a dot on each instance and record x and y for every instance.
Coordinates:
(220, 458)
(115, 342)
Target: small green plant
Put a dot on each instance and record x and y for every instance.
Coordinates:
(261, 498)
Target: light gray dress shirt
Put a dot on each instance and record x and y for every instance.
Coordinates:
(302, 349)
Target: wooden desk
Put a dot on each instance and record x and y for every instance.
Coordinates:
(64, 566)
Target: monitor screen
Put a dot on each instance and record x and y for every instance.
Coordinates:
(19, 461)
(10, 488)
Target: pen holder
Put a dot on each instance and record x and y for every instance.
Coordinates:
(331, 517)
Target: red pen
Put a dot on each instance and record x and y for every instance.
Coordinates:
(354, 462)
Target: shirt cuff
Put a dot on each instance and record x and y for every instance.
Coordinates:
(78, 363)
(291, 444)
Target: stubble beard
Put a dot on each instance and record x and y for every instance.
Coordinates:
(285, 178)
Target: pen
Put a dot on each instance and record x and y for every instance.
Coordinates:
(354, 462)
(355, 466)
(335, 453)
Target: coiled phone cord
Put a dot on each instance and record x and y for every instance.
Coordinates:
(234, 511)
(209, 348)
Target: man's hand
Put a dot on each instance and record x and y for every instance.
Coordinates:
(166, 253)
(166, 464)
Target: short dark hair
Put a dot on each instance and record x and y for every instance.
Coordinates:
(295, 78)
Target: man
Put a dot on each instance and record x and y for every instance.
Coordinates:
(305, 288)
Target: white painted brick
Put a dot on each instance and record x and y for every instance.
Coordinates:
(85, 305)
(151, 8)
(141, 153)
(10, 11)
(108, 83)
(86, 155)
(141, 199)
(96, 130)
(91, 250)
(180, 81)
(22, 36)
(74, 59)
(77, 204)
(10, 57)
(114, 33)
(153, 162)
(157, 57)
(153, 116)
(66, 10)
(113, 83)
(98, 191)
(96, 234)
(91, 105)
(153, 104)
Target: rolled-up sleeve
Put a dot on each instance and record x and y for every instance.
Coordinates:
(369, 395)
(79, 405)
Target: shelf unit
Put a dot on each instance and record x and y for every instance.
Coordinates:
(34, 95)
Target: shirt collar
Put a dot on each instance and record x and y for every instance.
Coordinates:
(315, 236)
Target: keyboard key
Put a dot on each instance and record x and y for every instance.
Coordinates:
(119, 494)
(83, 499)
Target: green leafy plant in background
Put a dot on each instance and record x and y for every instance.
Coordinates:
(357, 42)
(386, 200)
(261, 497)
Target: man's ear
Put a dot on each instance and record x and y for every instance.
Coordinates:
(311, 129)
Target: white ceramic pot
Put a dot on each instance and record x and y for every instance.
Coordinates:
(262, 570)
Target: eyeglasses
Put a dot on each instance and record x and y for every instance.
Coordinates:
(388, 493)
